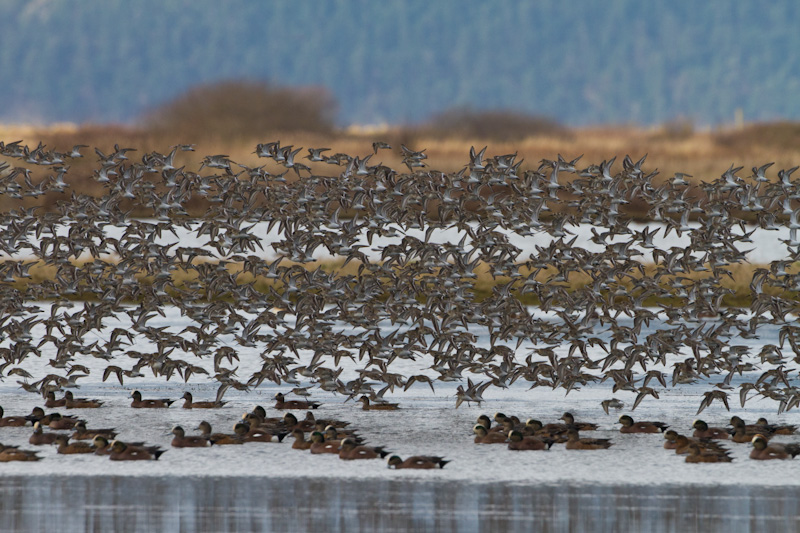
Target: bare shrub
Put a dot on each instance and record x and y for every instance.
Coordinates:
(782, 135)
(244, 110)
(496, 125)
(678, 129)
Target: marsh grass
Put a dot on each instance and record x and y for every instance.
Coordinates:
(703, 154)
(484, 286)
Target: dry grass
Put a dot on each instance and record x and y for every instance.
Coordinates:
(483, 286)
(703, 154)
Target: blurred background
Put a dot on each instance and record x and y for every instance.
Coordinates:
(696, 85)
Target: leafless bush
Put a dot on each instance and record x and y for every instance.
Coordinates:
(497, 125)
(244, 109)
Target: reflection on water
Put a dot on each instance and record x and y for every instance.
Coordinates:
(37, 503)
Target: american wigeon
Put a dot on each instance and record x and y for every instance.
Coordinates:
(569, 420)
(554, 432)
(484, 437)
(221, 439)
(101, 445)
(121, 451)
(282, 403)
(82, 433)
(698, 454)
(80, 403)
(181, 440)
(53, 420)
(670, 438)
(257, 434)
(40, 438)
(349, 450)
(290, 422)
(188, 403)
(51, 402)
(12, 421)
(517, 441)
(575, 442)
(138, 403)
(777, 429)
(66, 447)
(421, 462)
(333, 434)
(320, 445)
(763, 450)
(377, 406)
(629, 426)
(300, 442)
(703, 431)
(12, 453)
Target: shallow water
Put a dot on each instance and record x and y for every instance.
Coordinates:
(770, 242)
(635, 485)
(125, 504)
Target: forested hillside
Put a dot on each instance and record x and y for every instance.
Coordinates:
(622, 61)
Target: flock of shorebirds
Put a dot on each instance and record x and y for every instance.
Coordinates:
(417, 301)
(326, 436)
(702, 447)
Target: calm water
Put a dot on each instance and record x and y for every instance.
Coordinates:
(125, 504)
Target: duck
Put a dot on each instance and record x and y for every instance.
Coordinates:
(702, 431)
(39, 437)
(520, 442)
(333, 434)
(12, 453)
(82, 433)
(698, 454)
(378, 406)
(349, 450)
(419, 462)
(66, 447)
(629, 426)
(555, 432)
(101, 445)
(58, 421)
(777, 429)
(300, 442)
(484, 437)
(51, 401)
(682, 444)
(12, 421)
(506, 424)
(320, 445)
(569, 420)
(121, 451)
(218, 438)
(763, 450)
(575, 442)
(256, 434)
(80, 403)
(741, 435)
(190, 404)
(54, 420)
(486, 422)
(670, 438)
(181, 440)
(282, 403)
(139, 403)
(339, 424)
(745, 432)
(290, 422)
